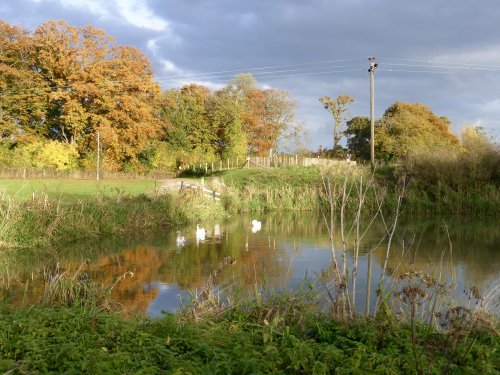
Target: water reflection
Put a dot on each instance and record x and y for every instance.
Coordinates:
(287, 248)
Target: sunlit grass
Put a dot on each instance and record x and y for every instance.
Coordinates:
(74, 189)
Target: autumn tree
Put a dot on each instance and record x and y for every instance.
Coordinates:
(339, 109)
(480, 156)
(22, 89)
(266, 114)
(294, 139)
(278, 116)
(407, 127)
(96, 85)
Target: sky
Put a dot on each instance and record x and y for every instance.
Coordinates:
(441, 53)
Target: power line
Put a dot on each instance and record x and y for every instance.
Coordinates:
(266, 74)
(417, 71)
(445, 66)
(318, 62)
(285, 75)
(450, 65)
(431, 61)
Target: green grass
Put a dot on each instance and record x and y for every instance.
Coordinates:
(275, 177)
(255, 338)
(290, 188)
(43, 221)
(302, 188)
(74, 189)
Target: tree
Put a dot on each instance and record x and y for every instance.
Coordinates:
(339, 108)
(240, 86)
(278, 116)
(186, 110)
(22, 89)
(358, 137)
(224, 112)
(96, 85)
(294, 139)
(407, 127)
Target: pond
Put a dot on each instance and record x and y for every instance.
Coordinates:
(288, 249)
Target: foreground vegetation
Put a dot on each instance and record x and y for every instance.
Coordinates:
(281, 334)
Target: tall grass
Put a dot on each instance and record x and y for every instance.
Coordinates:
(77, 289)
(288, 188)
(461, 181)
(44, 221)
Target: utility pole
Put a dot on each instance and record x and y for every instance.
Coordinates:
(98, 154)
(373, 67)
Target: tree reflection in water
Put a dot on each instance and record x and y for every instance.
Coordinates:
(288, 247)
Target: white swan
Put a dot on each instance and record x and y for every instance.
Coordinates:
(256, 226)
(200, 233)
(180, 240)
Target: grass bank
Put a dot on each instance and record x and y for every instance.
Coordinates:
(48, 212)
(44, 221)
(311, 188)
(291, 188)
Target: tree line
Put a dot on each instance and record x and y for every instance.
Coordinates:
(62, 86)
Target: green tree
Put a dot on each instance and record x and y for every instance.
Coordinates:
(407, 127)
(189, 125)
(358, 137)
(224, 112)
(240, 86)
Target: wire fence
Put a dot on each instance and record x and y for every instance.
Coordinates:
(32, 173)
(199, 168)
(263, 162)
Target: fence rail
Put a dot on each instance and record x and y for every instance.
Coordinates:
(263, 162)
(250, 162)
(33, 173)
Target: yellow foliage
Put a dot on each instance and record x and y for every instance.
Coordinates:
(163, 158)
(54, 154)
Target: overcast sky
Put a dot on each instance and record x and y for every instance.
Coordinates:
(441, 53)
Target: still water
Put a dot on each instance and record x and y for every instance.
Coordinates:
(288, 248)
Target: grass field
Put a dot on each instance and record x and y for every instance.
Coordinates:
(74, 189)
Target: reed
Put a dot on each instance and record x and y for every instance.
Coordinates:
(64, 288)
(43, 221)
